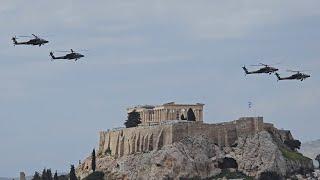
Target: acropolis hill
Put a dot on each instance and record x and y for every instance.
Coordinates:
(161, 126)
(173, 142)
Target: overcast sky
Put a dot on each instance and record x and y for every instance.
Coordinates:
(148, 52)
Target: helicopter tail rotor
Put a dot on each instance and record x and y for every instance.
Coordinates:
(278, 76)
(245, 70)
(14, 39)
(289, 70)
(52, 56)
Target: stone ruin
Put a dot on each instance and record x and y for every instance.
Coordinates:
(126, 141)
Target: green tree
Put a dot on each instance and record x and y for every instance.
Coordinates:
(133, 119)
(190, 115)
(36, 176)
(44, 174)
(63, 177)
(72, 174)
(293, 144)
(95, 176)
(49, 174)
(93, 160)
(270, 176)
(55, 177)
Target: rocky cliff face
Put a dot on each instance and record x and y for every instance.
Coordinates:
(261, 153)
(197, 157)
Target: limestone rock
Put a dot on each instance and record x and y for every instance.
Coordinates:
(257, 154)
(191, 157)
(198, 157)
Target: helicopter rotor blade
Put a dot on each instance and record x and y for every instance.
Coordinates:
(34, 36)
(289, 70)
(274, 64)
(267, 65)
(26, 36)
(72, 50)
(260, 64)
(61, 51)
(292, 71)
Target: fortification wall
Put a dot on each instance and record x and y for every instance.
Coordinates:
(131, 140)
(147, 138)
(223, 134)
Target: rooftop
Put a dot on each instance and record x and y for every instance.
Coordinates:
(148, 106)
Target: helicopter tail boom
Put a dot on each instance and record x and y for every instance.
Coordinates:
(15, 42)
(54, 57)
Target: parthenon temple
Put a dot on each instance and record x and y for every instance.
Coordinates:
(150, 114)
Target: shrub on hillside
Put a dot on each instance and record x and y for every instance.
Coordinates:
(225, 173)
(270, 176)
(97, 175)
(293, 144)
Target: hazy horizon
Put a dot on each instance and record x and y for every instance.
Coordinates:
(148, 52)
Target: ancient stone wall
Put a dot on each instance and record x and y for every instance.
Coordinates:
(131, 140)
(147, 138)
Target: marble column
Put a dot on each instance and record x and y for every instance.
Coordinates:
(163, 114)
(158, 115)
(166, 114)
(197, 115)
(158, 118)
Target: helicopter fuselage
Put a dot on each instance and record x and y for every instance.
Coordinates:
(298, 76)
(69, 56)
(73, 56)
(266, 70)
(34, 42)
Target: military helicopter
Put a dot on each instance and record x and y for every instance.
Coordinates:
(297, 76)
(35, 41)
(267, 69)
(70, 56)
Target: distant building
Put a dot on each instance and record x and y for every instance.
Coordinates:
(22, 176)
(150, 114)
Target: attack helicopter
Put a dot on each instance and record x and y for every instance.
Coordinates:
(36, 41)
(297, 76)
(266, 69)
(70, 56)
